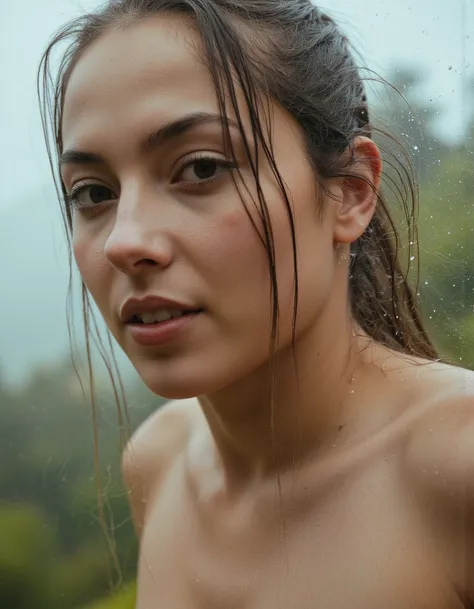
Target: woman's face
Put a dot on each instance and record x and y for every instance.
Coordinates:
(158, 213)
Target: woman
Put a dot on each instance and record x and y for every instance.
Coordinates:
(223, 193)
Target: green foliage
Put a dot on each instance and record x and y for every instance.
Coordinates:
(52, 550)
(447, 234)
(125, 599)
(27, 555)
(80, 577)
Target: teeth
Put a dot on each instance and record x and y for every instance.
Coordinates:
(176, 313)
(161, 315)
(151, 318)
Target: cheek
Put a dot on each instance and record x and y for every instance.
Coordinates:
(315, 269)
(316, 273)
(90, 261)
(234, 249)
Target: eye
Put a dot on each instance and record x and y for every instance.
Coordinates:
(89, 195)
(202, 170)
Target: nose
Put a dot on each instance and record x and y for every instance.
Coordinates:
(138, 241)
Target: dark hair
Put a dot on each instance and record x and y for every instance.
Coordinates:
(292, 52)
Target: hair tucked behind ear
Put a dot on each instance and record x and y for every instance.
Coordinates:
(289, 51)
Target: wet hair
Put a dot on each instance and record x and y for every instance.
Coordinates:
(295, 54)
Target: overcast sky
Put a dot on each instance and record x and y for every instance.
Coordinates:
(433, 34)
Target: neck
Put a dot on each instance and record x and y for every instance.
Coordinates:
(256, 434)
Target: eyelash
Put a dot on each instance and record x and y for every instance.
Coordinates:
(72, 198)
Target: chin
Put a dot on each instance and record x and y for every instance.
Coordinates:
(183, 383)
(172, 391)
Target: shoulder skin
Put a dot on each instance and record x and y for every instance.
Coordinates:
(440, 461)
(151, 451)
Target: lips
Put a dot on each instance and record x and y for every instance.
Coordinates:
(163, 333)
(158, 316)
(133, 309)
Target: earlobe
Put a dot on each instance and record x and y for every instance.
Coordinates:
(359, 193)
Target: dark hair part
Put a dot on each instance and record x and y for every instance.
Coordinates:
(290, 51)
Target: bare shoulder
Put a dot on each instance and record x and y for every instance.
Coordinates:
(440, 467)
(153, 448)
(440, 448)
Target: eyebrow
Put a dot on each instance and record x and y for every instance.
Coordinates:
(157, 138)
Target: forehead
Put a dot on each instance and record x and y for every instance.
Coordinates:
(146, 71)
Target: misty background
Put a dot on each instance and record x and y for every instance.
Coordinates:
(53, 554)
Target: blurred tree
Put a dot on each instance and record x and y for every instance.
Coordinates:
(46, 462)
(402, 109)
(125, 599)
(27, 554)
(446, 235)
(80, 577)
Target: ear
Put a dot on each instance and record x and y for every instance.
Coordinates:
(358, 195)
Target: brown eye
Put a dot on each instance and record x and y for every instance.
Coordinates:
(98, 194)
(89, 195)
(203, 170)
